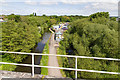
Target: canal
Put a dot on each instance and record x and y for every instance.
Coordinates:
(28, 60)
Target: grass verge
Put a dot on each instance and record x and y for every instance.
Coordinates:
(7, 67)
(44, 60)
(60, 62)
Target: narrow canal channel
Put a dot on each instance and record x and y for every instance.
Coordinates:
(28, 60)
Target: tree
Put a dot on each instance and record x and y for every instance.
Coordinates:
(113, 18)
(31, 15)
(16, 18)
(35, 14)
(53, 21)
(99, 14)
(44, 15)
(65, 19)
(19, 36)
(96, 38)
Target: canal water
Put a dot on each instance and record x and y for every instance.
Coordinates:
(28, 60)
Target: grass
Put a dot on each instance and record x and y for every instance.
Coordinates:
(44, 60)
(0, 61)
(6, 66)
(60, 62)
(0, 67)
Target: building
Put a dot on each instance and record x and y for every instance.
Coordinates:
(118, 19)
(64, 28)
(66, 24)
(58, 36)
(1, 19)
(56, 27)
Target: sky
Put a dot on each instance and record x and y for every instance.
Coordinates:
(58, 7)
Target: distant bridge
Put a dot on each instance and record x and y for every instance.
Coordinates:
(74, 69)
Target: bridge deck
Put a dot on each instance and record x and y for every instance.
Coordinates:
(10, 74)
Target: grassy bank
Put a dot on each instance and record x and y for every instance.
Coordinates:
(0, 61)
(6, 66)
(60, 62)
(44, 60)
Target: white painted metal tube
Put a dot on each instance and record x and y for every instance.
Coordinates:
(76, 67)
(32, 65)
(62, 68)
(62, 55)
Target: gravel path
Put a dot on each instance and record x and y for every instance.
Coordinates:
(53, 60)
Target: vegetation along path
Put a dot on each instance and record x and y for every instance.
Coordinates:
(53, 60)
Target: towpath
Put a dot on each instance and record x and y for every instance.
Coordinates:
(53, 60)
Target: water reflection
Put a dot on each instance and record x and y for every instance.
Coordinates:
(28, 60)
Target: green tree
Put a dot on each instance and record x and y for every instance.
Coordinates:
(16, 18)
(35, 14)
(96, 38)
(44, 15)
(31, 15)
(113, 18)
(99, 14)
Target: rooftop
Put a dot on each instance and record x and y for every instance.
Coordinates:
(58, 32)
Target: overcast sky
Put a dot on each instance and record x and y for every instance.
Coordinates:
(58, 7)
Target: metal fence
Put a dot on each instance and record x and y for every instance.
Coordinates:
(74, 69)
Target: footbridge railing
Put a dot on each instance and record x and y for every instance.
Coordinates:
(74, 69)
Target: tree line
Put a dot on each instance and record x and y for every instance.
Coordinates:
(22, 33)
(95, 36)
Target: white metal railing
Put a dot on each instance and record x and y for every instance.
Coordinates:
(74, 69)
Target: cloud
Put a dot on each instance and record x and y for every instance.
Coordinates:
(3, 3)
(79, 1)
(107, 6)
(112, 8)
(2, 0)
(30, 2)
(49, 2)
(41, 2)
(59, 11)
(83, 7)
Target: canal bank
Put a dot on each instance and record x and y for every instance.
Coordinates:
(38, 49)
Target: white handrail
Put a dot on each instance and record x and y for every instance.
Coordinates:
(60, 67)
(61, 55)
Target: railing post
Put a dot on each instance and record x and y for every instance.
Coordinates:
(76, 68)
(32, 65)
